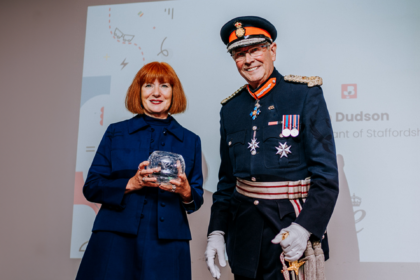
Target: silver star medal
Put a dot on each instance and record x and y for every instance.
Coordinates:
(253, 146)
(283, 150)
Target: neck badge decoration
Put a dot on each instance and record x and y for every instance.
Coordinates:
(256, 111)
(269, 85)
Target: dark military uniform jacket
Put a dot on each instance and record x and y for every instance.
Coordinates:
(312, 155)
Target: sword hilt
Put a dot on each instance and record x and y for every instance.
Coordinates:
(293, 266)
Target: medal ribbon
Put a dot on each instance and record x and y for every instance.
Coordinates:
(287, 121)
(284, 122)
(291, 121)
(269, 85)
(296, 122)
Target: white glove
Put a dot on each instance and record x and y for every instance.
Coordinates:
(215, 244)
(295, 244)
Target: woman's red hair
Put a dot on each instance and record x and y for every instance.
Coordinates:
(164, 73)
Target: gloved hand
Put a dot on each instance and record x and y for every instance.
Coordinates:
(295, 244)
(215, 244)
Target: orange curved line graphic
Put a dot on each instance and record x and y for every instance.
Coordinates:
(113, 35)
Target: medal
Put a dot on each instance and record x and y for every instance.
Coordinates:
(295, 126)
(283, 150)
(269, 85)
(256, 111)
(253, 145)
(290, 125)
(286, 126)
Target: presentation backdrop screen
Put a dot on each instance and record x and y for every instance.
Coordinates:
(367, 53)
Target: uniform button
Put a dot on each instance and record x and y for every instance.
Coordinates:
(230, 143)
(145, 201)
(152, 140)
(254, 128)
(256, 202)
(163, 143)
(163, 204)
(164, 132)
(162, 219)
(141, 216)
(253, 179)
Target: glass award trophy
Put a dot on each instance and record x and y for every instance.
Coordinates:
(168, 163)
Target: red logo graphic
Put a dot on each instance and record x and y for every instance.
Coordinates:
(102, 116)
(348, 91)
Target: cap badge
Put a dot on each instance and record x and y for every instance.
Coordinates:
(240, 31)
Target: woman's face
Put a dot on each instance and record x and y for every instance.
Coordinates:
(156, 98)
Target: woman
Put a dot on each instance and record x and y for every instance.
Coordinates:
(141, 230)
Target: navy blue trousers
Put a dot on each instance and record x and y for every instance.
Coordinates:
(253, 226)
(112, 255)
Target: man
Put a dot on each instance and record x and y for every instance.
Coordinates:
(278, 169)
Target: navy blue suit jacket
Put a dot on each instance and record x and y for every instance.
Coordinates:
(123, 147)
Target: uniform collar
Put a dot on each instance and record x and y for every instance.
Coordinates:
(137, 123)
(266, 87)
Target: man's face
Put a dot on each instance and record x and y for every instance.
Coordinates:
(255, 66)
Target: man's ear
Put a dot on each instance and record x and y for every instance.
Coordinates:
(273, 51)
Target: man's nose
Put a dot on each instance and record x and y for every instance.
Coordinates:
(248, 58)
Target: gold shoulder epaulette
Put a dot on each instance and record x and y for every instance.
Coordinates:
(311, 81)
(224, 101)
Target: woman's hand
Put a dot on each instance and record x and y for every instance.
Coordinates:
(142, 179)
(180, 186)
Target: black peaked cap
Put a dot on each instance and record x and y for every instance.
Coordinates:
(252, 21)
